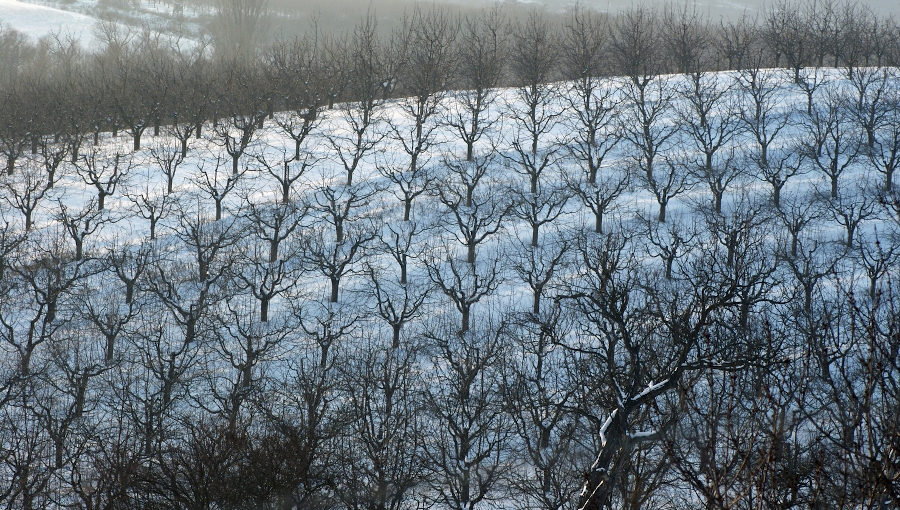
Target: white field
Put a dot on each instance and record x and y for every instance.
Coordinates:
(38, 21)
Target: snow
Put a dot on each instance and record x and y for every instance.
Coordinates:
(38, 21)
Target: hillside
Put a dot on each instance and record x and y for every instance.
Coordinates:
(663, 290)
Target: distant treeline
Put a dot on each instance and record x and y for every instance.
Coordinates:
(138, 81)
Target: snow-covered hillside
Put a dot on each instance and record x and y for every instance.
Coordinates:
(37, 21)
(627, 275)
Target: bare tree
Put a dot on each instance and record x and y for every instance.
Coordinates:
(152, 205)
(539, 396)
(168, 158)
(883, 147)
(775, 161)
(670, 241)
(538, 209)
(214, 184)
(104, 172)
(243, 99)
(830, 143)
(25, 191)
(595, 106)
(374, 65)
(480, 51)
(79, 224)
(428, 67)
(738, 42)
(687, 38)
(464, 284)
(684, 310)
(709, 118)
(797, 213)
(239, 28)
(477, 216)
(335, 259)
(469, 460)
(532, 55)
(300, 69)
(271, 271)
(850, 210)
(381, 465)
(787, 36)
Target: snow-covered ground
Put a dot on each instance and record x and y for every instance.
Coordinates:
(38, 21)
(436, 250)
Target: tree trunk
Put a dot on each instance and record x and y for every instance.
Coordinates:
(335, 283)
(110, 348)
(396, 338)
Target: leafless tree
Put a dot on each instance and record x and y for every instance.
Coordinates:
(19, 115)
(883, 146)
(539, 397)
(776, 161)
(607, 305)
(533, 54)
(104, 172)
(271, 270)
(538, 209)
(470, 458)
(239, 28)
(851, 209)
(797, 213)
(78, 224)
(428, 67)
(739, 42)
(709, 119)
(335, 257)
(477, 216)
(381, 464)
(168, 158)
(374, 65)
(243, 100)
(670, 241)
(52, 156)
(595, 106)
(480, 50)
(25, 190)
(877, 259)
(152, 205)
(464, 284)
(300, 70)
(787, 36)
(688, 39)
(398, 304)
(830, 144)
(216, 184)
